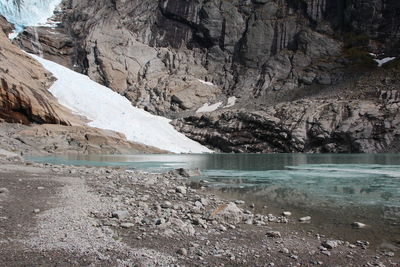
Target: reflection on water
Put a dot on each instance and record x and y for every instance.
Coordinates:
(366, 185)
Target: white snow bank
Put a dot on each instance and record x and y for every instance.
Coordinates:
(384, 60)
(206, 83)
(231, 102)
(209, 108)
(108, 110)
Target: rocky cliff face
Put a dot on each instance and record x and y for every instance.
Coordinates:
(155, 52)
(23, 87)
(171, 57)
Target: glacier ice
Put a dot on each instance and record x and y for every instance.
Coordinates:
(28, 12)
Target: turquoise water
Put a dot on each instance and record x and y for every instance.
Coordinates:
(334, 188)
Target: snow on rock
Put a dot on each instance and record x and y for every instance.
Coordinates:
(107, 109)
(231, 102)
(206, 83)
(209, 108)
(384, 60)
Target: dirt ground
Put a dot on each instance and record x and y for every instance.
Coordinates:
(77, 216)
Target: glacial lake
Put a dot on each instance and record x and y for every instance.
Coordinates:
(334, 189)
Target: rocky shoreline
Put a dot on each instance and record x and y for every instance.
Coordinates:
(55, 215)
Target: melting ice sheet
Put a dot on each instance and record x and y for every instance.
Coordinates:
(108, 110)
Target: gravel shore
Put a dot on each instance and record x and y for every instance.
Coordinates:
(79, 216)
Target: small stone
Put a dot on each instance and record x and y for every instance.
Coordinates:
(358, 225)
(40, 188)
(305, 219)
(273, 234)
(127, 225)
(239, 202)
(3, 190)
(166, 205)
(389, 254)
(325, 252)
(36, 210)
(120, 214)
(284, 251)
(180, 189)
(363, 244)
(182, 251)
(286, 213)
(252, 206)
(331, 244)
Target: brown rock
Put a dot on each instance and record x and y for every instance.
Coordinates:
(23, 89)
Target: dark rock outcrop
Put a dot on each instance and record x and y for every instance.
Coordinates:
(302, 126)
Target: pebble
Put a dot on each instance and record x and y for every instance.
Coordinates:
(239, 202)
(127, 225)
(120, 214)
(286, 213)
(358, 225)
(284, 251)
(40, 188)
(3, 190)
(36, 210)
(325, 252)
(305, 219)
(330, 244)
(180, 189)
(166, 205)
(182, 251)
(273, 234)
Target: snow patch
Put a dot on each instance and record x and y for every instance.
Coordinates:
(384, 60)
(206, 83)
(209, 108)
(107, 109)
(231, 102)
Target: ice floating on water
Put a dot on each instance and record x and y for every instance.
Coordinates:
(108, 110)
